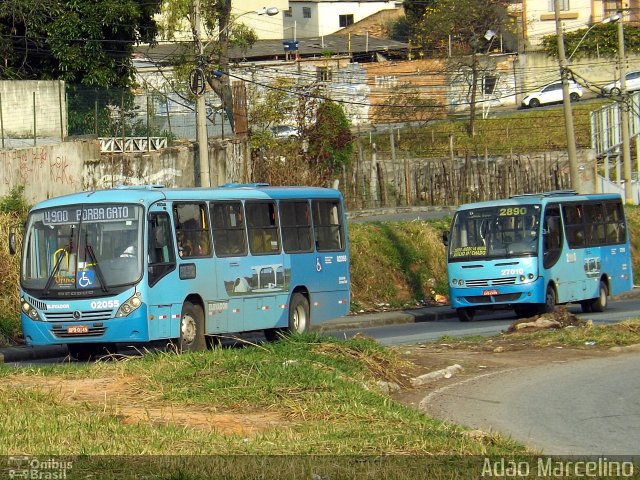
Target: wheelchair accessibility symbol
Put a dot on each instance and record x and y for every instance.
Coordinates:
(85, 279)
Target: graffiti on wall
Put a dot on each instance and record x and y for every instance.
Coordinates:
(36, 165)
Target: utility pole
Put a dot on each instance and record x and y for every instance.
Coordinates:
(198, 88)
(624, 116)
(566, 103)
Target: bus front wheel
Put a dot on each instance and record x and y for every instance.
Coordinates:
(465, 314)
(550, 300)
(599, 304)
(191, 328)
(299, 314)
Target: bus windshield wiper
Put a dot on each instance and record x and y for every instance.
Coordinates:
(103, 284)
(54, 272)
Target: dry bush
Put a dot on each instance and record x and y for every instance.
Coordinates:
(9, 280)
(288, 168)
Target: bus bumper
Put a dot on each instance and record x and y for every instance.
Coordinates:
(133, 328)
(488, 297)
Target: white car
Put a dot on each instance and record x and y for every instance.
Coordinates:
(632, 81)
(551, 93)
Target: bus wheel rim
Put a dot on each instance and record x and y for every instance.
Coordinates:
(298, 318)
(188, 329)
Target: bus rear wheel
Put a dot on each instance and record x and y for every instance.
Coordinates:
(191, 328)
(599, 304)
(465, 314)
(299, 318)
(85, 352)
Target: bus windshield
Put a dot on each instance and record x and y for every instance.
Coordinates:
(81, 248)
(495, 232)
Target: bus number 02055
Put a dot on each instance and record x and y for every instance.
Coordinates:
(105, 304)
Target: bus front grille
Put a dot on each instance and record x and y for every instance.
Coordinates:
(93, 332)
(503, 297)
(85, 316)
(491, 282)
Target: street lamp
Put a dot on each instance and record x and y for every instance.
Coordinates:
(202, 135)
(604, 21)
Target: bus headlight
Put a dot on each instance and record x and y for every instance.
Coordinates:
(456, 282)
(129, 306)
(29, 311)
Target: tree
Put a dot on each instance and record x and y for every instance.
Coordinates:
(406, 104)
(602, 39)
(464, 29)
(218, 23)
(80, 42)
(330, 139)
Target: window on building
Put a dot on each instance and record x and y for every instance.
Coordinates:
(288, 13)
(306, 12)
(324, 74)
(345, 20)
(489, 84)
(564, 5)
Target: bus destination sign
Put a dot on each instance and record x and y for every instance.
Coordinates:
(93, 213)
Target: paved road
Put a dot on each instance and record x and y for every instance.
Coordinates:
(585, 407)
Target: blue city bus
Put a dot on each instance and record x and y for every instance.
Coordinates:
(146, 263)
(531, 252)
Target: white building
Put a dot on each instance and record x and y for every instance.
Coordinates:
(313, 18)
(245, 12)
(536, 18)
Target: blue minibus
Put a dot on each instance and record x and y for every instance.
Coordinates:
(531, 252)
(139, 264)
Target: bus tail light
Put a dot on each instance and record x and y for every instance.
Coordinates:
(129, 306)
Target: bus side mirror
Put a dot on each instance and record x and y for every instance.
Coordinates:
(445, 238)
(12, 243)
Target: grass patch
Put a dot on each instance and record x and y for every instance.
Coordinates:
(396, 263)
(316, 396)
(619, 334)
(585, 336)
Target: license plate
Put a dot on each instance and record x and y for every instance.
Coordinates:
(78, 329)
(490, 292)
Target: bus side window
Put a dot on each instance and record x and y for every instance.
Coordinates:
(229, 237)
(296, 226)
(192, 229)
(574, 224)
(262, 227)
(616, 231)
(595, 223)
(327, 223)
